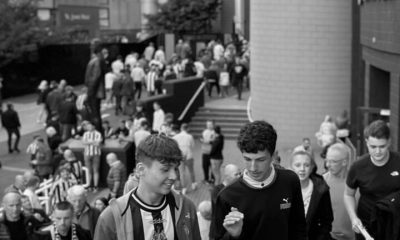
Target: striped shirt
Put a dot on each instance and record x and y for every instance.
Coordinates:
(76, 170)
(32, 149)
(92, 140)
(151, 78)
(59, 190)
(80, 101)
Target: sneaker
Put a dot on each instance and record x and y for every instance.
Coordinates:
(194, 186)
(10, 151)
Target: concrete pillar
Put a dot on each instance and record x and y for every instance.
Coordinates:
(394, 110)
(300, 64)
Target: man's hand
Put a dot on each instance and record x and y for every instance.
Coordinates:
(233, 222)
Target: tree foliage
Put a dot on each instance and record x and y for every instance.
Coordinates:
(18, 28)
(185, 16)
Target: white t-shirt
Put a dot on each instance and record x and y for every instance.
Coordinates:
(186, 144)
(158, 120)
(109, 80)
(306, 193)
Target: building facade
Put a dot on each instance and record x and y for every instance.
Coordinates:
(377, 88)
(301, 56)
(94, 17)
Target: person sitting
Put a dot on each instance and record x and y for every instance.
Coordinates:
(107, 129)
(121, 129)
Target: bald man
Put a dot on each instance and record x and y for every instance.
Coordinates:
(116, 177)
(231, 172)
(84, 215)
(13, 224)
(337, 160)
(18, 186)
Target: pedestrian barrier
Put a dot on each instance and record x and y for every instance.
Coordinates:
(45, 187)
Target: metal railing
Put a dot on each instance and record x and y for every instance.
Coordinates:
(45, 187)
(190, 103)
(248, 110)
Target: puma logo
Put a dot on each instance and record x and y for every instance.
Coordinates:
(286, 204)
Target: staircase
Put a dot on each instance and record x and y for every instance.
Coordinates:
(230, 121)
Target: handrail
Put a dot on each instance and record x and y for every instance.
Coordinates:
(45, 188)
(248, 110)
(198, 91)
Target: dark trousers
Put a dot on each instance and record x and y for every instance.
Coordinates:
(66, 131)
(138, 89)
(239, 88)
(206, 166)
(95, 113)
(211, 86)
(10, 132)
(158, 86)
(118, 101)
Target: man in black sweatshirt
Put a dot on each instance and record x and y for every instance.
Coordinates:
(265, 203)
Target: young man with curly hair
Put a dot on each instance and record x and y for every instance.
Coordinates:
(152, 210)
(265, 202)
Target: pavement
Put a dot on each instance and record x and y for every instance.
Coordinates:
(17, 163)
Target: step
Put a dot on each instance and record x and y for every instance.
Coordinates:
(207, 109)
(221, 124)
(230, 114)
(223, 130)
(219, 119)
(227, 136)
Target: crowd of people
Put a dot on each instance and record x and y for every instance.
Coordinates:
(263, 200)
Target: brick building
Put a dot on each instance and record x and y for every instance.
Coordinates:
(376, 90)
(301, 57)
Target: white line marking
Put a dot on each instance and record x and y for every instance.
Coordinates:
(14, 169)
(105, 115)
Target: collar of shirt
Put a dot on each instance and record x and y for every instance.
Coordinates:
(114, 163)
(257, 184)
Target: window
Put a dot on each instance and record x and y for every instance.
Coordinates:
(104, 17)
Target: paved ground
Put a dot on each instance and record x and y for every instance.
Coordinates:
(27, 108)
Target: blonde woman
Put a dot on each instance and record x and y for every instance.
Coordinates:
(43, 90)
(316, 197)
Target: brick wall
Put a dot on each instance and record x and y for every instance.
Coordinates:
(380, 25)
(301, 64)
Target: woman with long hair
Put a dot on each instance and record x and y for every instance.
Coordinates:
(43, 90)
